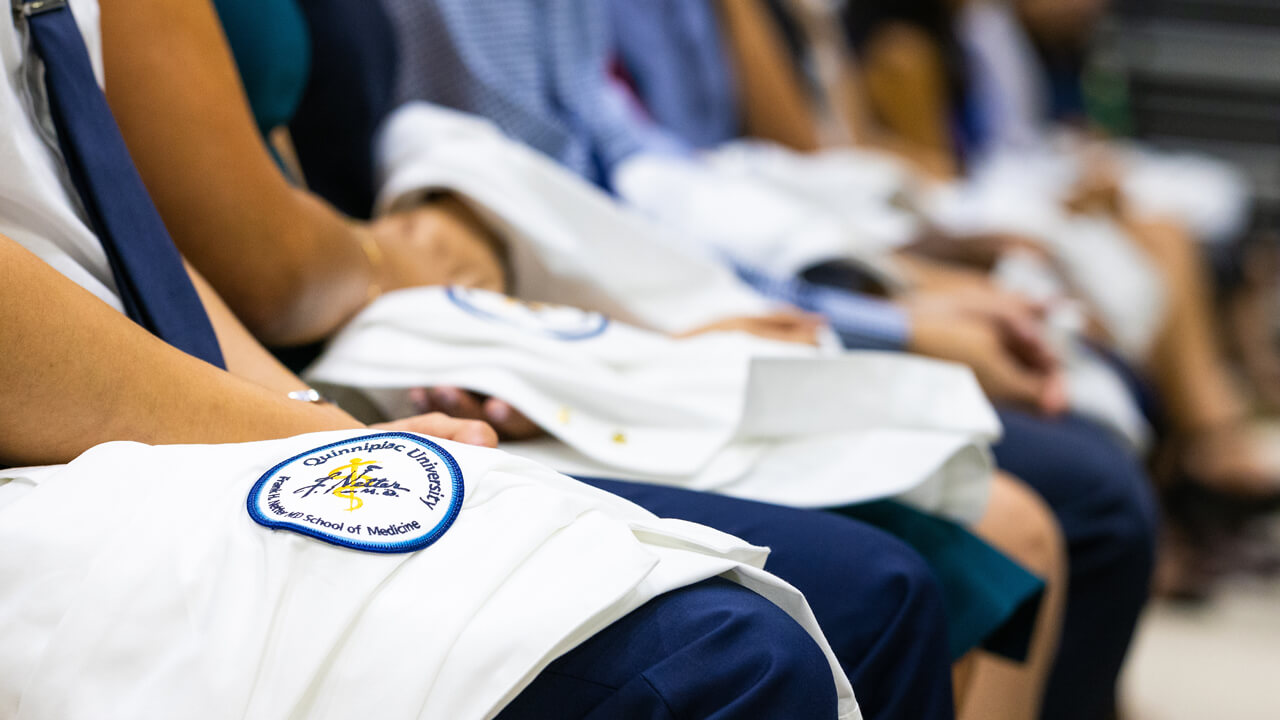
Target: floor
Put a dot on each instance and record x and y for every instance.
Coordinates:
(1216, 662)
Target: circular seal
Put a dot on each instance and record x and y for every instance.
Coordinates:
(386, 492)
(558, 321)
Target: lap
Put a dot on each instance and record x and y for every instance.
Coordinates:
(714, 649)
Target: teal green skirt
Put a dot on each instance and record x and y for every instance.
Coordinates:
(991, 601)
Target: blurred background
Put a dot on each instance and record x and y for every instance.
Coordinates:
(1196, 75)
(1204, 75)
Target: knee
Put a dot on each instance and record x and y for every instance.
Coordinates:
(878, 602)
(907, 597)
(712, 649)
(1123, 512)
(918, 593)
(857, 578)
(898, 630)
(775, 662)
(1020, 524)
(1095, 487)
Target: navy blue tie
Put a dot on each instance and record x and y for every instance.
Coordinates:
(154, 286)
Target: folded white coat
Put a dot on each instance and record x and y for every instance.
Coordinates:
(735, 206)
(774, 208)
(137, 581)
(1207, 195)
(573, 245)
(568, 242)
(728, 412)
(1023, 193)
(864, 201)
(1210, 197)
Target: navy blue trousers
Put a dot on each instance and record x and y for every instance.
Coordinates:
(711, 650)
(1103, 500)
(878, 603)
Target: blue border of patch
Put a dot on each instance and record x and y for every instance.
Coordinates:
(455, 507)
(451, 292)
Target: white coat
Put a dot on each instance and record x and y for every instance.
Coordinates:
(133, 581)
(725, 412)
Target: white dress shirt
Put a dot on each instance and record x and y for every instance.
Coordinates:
(39, 208)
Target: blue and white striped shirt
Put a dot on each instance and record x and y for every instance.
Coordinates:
(862, 322)
(540, 70)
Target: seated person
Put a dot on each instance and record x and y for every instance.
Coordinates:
(1213, 440)
(1016, 94)
(59, 397)
(74, 234)
(97, 615)
(442, 35)
(232, 126)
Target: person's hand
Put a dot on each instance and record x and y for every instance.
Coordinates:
(439, 243)
(1019, 320)
(509, 423)
(980, 250)
(471, 432)
(1096, 196)
(784, 325)
(1011, 365)
(1098, 191)
(928, 274)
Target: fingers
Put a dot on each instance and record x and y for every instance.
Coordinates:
(510, 423)
(795, 317)
(471, 432)
(451, 401)
(1054, 398)
(788, 326)
(1009, 243)
(1021, 326)
(784, 325)
(1006, 379)
(458, 403)
(995, 302)
(1026, 339)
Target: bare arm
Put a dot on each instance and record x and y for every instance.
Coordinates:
(287, 263)
(76, 373)
(778, 108)
(174, 90)
(848, 110)
(775, 104)
(905, 83)
(244, 356)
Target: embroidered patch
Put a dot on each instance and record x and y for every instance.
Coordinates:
(387, 492)
(558, 321)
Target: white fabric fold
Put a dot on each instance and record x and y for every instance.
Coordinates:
(572, 244)
(1207, 195)
(135, 582)
(863, 188)
(743, 217)
(39, 207)
(1023, 193)
(569, 243)
(726, 412)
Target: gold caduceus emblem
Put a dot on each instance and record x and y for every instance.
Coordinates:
(354, 473)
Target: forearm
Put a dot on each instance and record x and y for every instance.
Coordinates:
(76, 373)
(333, 275)
(775, 105)
(290, 266)
(245, 357)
